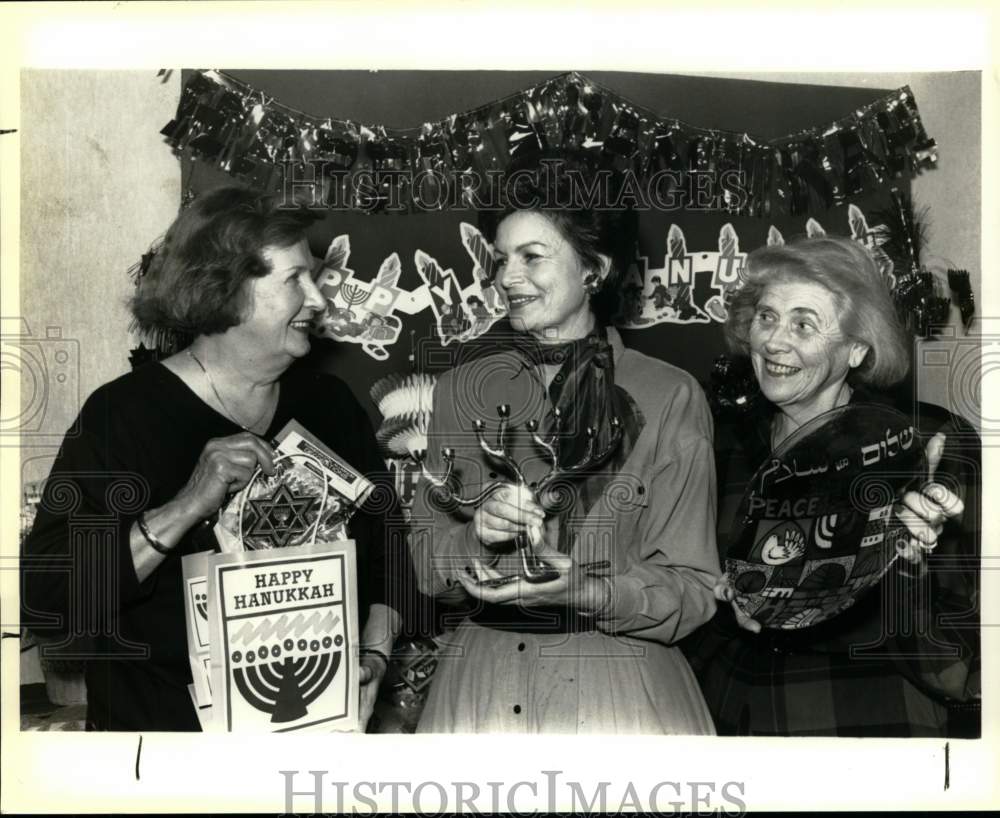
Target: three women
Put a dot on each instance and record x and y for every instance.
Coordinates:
(614, 495)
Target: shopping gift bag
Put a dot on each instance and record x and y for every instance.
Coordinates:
(816, 529)
(271, 621)
(284, 635)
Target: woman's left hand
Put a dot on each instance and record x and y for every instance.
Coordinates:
(924, 512)
(372, 669)
(573, 588)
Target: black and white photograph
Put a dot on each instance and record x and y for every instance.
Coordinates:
(604, 437)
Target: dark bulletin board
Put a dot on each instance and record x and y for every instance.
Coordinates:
(408, 98)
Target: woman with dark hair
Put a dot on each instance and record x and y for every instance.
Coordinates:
(235, 273)
(818, 323)
(580, 577)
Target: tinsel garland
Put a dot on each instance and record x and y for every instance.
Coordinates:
(338, 163)
(917, 293)
(958, 282)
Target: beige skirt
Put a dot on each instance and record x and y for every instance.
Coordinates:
(494, 681)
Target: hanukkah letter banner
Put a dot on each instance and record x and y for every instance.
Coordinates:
(284, 633)
(815, 529)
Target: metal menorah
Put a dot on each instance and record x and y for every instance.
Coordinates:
(534, 569)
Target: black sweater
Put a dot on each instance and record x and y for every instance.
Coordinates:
(138, 441)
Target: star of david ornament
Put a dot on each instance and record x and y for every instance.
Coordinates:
(278, 520)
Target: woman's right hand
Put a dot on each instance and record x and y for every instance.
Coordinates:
(725, 592)
(225, 466)
(925, 511)
(509, 511)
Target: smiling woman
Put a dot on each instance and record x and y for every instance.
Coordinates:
(546, 283)
(818, 323)
(815, 318)
(235, 272)
(280, 311)
(799, 354)
(598, 554)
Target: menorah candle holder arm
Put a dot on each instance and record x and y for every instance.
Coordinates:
(534, 568)
(589, 459)
(500, 454)
(549, 445)
(503, 411)
(444, 483)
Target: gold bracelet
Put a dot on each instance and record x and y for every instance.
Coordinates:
(154, 541)
(366, 651)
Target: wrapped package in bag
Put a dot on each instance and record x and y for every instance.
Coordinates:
(311, 487)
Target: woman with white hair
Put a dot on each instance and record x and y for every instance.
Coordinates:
(818, 323)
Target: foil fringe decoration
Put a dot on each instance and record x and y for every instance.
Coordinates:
(959, 284)
(329, 162)
(917, 293)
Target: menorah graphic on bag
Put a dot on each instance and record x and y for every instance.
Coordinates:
(274, 676)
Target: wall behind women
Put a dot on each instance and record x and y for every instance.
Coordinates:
(97, 186)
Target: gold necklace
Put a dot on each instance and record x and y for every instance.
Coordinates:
(225, 407)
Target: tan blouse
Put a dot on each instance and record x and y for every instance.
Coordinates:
(654, 522)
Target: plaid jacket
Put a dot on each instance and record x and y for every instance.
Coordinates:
(889, 666)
